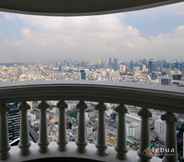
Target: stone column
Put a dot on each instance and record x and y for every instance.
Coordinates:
(62, 122)
(101, 144)
(24, 132)
(145, 133)
(170, 120)
(81, 141)
(121, 134)
(43, 139)
(4, 145)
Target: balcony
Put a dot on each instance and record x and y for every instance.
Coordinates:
(79, 7)
(168, 99)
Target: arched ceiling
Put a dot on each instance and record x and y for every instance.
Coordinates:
(78, 7)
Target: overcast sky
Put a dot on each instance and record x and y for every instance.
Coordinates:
(151, 33)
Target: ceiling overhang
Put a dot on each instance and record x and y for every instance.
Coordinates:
(78, 7)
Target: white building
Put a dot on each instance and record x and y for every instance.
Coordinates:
(133, 124)
(160, 129)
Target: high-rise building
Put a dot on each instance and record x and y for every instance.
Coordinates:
(110, 62)
(144, 68)
(177, 76)
(123, 69)
(115, 64)
(131, 65)
(13, 121)
(154, 66)
(83, 74)
(165, 80)
(150, 66)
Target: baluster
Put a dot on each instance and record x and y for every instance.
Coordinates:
(171, 154)
(62, 130)
(4, 145)
(101, 144)
(145, 115)
(121, 134)
(43, 139)
(24, 133)
(81, 142)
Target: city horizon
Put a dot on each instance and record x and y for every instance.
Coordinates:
(120, 60)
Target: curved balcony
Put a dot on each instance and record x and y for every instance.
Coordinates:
(162, 98)
(78, 7)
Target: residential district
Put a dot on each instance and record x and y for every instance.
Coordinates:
(143, 71)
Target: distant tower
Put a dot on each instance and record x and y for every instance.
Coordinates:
(110, 62)
(60, 68)
(115, 64)
(123, 69)
(150, 66)
(82, 75)
(131, 65)
(144, 68)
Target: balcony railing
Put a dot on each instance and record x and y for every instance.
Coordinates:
(164, 98)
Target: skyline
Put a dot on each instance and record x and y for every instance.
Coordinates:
(128, 35)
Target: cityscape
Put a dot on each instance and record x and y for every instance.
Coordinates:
(112, 69)
(159, 72)
(138, 114)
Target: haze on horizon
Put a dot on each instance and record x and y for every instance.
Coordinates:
(151, 33)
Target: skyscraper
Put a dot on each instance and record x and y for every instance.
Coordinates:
(115, 64)
(150, 66)
(82, 74)
(13, 121)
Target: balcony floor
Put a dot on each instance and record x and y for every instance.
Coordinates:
(63, 160)
(70, 154)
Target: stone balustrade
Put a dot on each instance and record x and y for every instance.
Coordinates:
(167, 99)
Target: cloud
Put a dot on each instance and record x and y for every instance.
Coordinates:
(89, 38)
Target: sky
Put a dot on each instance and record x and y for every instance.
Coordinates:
(150, 33)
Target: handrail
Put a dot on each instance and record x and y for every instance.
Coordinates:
(166, 98)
